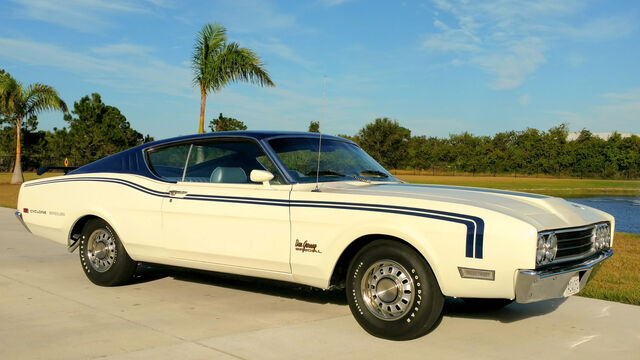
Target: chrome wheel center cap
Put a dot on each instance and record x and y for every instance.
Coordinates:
(387, 290)
(100, 251)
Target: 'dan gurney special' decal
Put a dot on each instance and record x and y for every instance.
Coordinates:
(307, 247)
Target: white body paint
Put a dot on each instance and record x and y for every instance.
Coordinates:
(255, 229)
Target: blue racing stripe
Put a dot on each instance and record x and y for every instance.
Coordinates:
(474, 224)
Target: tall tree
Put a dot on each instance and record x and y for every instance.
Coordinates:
(386, 141)
(216, 63)
(223, 123)
(98, 130)
(23, 104)
(314, 126)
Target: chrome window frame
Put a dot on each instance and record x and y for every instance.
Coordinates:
(261, 144)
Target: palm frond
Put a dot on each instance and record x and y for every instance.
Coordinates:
(216, 63)
(235, 63)
(10, 95)
(209, 41)
(40, 97)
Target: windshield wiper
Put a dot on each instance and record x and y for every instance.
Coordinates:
(325, 173)
(374, 172)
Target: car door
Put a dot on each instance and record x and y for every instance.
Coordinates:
(215, 214)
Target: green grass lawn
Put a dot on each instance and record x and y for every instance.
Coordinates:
(562, 187)
(618, 279)
(9, 193)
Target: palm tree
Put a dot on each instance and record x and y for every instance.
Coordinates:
(216, 63)
(19, 103)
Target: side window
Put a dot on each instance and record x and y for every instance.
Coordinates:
(168, 163)
(227, 161)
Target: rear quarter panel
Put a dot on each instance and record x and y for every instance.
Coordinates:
(129, 203)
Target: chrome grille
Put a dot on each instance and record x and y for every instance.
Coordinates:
(575, 243)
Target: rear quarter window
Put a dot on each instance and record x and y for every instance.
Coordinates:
(168, 163)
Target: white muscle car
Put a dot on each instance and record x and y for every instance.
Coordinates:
(317, 210)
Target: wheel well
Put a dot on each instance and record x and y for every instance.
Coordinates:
(76, 230)
(339, 274)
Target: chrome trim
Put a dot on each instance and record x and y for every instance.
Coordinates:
(194, 140)
(388, 290)
(584, 254)
(186, 163)
(564, 230)
(462, 270)
(550, 283)
(18, 214)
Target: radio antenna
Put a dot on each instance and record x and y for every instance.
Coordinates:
(324, 85)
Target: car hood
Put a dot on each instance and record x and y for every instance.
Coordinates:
(543, 212)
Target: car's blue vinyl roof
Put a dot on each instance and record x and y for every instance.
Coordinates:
(132, 161)
(255, 134)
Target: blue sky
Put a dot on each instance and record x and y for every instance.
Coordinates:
(438, 67)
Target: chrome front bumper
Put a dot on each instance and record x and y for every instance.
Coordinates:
(19, 216)
(538, 285)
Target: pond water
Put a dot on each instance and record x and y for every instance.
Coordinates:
(626, 210)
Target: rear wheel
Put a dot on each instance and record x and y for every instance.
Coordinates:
(392, 291)
(103, 258)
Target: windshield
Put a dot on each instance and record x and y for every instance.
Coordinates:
(339, 160)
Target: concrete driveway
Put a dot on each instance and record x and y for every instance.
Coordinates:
(48, 309)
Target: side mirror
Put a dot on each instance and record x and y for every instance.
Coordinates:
(261, 176)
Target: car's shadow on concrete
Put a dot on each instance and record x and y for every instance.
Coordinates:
(452, 308)
(151, 272)
(510, 313)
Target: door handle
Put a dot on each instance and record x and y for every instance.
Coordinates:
(176, 192)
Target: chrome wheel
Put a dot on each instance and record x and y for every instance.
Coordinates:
(101, 250)
(387, 290)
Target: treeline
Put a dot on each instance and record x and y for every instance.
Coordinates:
(94, 130)
(527, 152)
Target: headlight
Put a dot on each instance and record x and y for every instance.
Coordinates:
(602, 236)
(551, 247)
(540, 251)
(547, 248)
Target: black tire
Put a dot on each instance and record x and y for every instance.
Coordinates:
(417, 305)
(104, 260)
(481, 304)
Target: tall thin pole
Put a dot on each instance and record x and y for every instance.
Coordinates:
(324, 85)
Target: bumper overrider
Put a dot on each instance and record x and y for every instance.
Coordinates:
(537, 285)
(19, 216)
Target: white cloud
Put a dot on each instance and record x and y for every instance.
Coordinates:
(333, 2)
(82, 15)
(618, 112)
(276, 47)
(576, 60)
(451, 40)
(621, 110)
(512, 65)
(253, 16)
(601, 29)
(524, 100)
(509, 39)
(139, 73)
(122, 49)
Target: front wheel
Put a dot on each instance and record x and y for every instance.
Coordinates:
(392, 291)
(103, 258)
